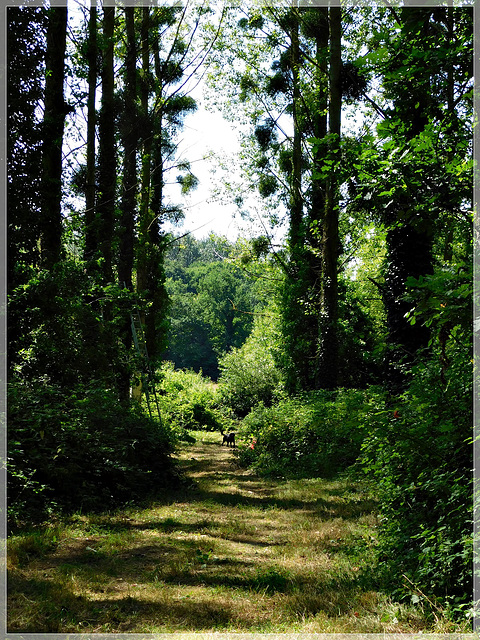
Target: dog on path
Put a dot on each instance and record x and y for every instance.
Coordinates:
(228, 438)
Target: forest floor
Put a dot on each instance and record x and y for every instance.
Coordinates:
(233, 553)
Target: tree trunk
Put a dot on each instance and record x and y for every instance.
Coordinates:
(328, 365)
(130, 143)
(107, 152)
(53, 129)
(155, 318)
(295, 286)
(296, 206)
(90, 189)
(129, 190)
(409, 253)
(317, 207)
(410, 231)
(143, 247)
(144, 217)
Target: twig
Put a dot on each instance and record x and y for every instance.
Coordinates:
(418, 591)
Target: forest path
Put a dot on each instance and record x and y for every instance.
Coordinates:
(213, 467)
(234, 552)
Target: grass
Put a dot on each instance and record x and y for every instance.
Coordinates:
(233, 553)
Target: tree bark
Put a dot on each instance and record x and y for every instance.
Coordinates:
(317, 207)
(328, 365)
(296, 206)
(53, 129)
(144, 216)
(107, 153)
(143, 247)
(129, 191)
(130, 143)
(90, 189)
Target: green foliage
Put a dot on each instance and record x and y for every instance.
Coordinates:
(211, 303)
(420, 458)
(360, 341)
(25, 58)
(318, 434)
(80, 449)
(58, 328)
(421, 455)
(250, 374)
(189, 334)
(189, 401)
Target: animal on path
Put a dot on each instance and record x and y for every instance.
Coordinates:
(228, 438)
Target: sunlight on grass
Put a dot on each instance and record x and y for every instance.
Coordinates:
(233, 554)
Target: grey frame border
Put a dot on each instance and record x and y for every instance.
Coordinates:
(3, 341)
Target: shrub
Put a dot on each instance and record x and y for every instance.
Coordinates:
(80, 450)
(420, 455)
(250, 375)
(188, 400)
(419, 450)
(316, 434)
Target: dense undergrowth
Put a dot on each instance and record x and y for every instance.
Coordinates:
(190, 401)
(317, 434)
(85, 451)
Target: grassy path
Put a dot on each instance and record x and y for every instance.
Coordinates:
(234, 553)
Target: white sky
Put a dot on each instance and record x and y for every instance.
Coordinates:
(205, 132)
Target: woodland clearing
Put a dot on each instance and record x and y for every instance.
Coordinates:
(233, 552)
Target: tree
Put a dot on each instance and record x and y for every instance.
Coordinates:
(128, 202)
(328, 357)
(25, 59)
(26, 28)
(419, 144)
(55, 109)
(107, 169)
(309, 64)
(90, 170)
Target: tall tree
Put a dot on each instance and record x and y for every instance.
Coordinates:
(128, 202)
(55, 109)
(107, 170)
(129, 135)
(328, 356)
(25, 57)
(309, 62)
(90, 171)
(163, 105)
(428, 134)
(297, 315)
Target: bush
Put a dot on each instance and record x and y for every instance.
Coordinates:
(316, 434)
(419, 450)
(188, 400)
(420, 455)
(80, 450)
(250, 375)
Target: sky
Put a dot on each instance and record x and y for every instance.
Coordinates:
(205, 132)
(205, 135)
